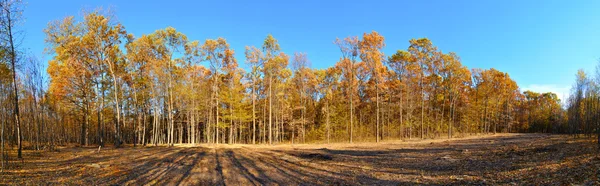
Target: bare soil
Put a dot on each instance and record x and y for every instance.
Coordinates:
(503, 159)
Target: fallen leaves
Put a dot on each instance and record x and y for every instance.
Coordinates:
(510, 160)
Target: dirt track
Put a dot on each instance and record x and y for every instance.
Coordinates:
(501, 159)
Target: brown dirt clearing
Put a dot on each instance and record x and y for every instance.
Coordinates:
(504, 159)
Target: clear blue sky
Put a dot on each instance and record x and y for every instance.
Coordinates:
(541, 44)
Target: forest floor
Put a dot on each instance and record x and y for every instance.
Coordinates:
(502, 159)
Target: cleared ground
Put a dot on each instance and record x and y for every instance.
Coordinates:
(504, 159)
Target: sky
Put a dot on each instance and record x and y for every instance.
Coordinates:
(540, 43)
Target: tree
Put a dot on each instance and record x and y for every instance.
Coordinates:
(232, 80)
(170, 41)
(219, 55)
(5, 85)
(423, 51)
(253, 57)
(101, 38)
(399, 63)
(300, 66)
(71, 68)
(370, 52)
(350, 50)
(456, 80)
(10, 17)
(92, 46)
(270, 49)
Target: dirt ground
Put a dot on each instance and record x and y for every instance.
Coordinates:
(504, 159)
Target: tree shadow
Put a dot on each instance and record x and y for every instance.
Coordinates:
(481, 159)
(242, 170)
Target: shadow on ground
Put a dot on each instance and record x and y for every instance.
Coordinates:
(490, 160)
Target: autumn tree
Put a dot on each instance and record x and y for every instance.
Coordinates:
(274, 62)
(10, 17)
(219, 55)
(456, 81)
(349, 47)
(300, 66)
(170, 42)
(71, 69)
(101, 38)
(424, 52)
(400, 63)
(370, 52)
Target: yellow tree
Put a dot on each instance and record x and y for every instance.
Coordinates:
(270, 51)
(193, 51)
(71, 69)
(400, 64)
(231, 78)
(300, 66)
(349, 47)
(370, 52)
(253, 57)
(102, 38)
(455, 82)
(170, 41)
(145, 55)
(423, 51)
(218, 54)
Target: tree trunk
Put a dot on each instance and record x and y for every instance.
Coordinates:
(351, 99)
(100, 132)
(377, 110)
(13, 60)
(422, 105)
(253, 114)
(170, 114)
(117, 107)
(270, 111)
(401, 109)
(328, 127)
(2, 141)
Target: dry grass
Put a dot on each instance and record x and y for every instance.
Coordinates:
(505, 159)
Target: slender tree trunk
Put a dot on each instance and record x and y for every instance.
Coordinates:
(351, 99)
(100, 132)
(422, 106)
(117, 107)
(449, 117)
(401, 114)
(209, 137)
(253, 114)
(138, 119)
(193, 124)
(377, 111)
(2, 138)
(264, 123)
(144, 125)
(231, 120)
(303, 112)
(270, 111)
(85, 120)
(170, 114)
(13, 60)
(328, 126)
(34, 115)
(216, 91)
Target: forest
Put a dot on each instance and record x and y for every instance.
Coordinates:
(106, 87)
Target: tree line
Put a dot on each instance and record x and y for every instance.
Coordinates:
(583, 105)
(108, 86)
